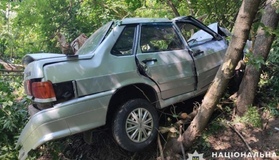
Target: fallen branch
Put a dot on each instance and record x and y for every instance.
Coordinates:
(10, 67)
(78, 42)
(174, 134)
(180, 138)
(160, 148)
(241, 137)
(184, 119)
(187, 118)
(64, 45)
(6, 70)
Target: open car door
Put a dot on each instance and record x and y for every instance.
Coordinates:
(165, 59)
(208, 48)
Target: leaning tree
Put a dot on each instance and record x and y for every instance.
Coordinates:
(260, 51)
(240, 34)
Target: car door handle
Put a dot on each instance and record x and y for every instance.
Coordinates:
(198, 52)
(150, 60)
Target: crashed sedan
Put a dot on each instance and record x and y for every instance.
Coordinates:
(123, 73)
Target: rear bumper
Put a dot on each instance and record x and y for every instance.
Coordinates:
(62, 120)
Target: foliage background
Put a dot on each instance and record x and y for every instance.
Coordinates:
(31, 26)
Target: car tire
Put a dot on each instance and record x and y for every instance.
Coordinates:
(135, 125)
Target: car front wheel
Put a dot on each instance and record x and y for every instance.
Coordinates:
(135, 125)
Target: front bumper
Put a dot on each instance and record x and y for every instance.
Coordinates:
(64, 119)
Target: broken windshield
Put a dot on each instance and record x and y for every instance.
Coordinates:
(94, 40)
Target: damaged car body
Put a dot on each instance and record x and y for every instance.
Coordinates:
(123, 73)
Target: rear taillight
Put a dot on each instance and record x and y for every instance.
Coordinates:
(43, 90)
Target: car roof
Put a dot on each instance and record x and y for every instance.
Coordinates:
(143, 20)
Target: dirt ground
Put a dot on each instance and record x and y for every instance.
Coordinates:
(247, 139)
(228, 141)
(237, 138)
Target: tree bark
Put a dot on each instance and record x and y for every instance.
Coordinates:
(175, 11)
(10, 67)
(78, 42)
(263, 42)
(64, 45)
(242, 26)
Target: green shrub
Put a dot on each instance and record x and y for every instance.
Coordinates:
(251, 117)
(269, 82)
(13, 114)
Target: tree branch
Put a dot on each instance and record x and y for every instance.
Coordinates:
(241, 137)
(5, 70)
(176, 13)
(160, 148)
(11, 67)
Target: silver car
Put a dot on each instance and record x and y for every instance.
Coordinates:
(123, 73)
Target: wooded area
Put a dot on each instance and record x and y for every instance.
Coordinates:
(53, 26)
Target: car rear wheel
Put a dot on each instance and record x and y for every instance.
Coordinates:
(135, 125)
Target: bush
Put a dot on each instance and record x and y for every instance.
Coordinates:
(13, 114)
(269, 82)
(252, 117)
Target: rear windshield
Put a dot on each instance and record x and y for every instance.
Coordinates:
(95, 39)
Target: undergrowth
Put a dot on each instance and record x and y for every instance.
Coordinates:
(13, 114)
(251, 117)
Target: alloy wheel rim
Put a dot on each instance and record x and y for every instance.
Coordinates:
(139, 125)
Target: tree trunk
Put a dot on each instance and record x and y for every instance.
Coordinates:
(242, 26)
(263, 42)
(175, 11)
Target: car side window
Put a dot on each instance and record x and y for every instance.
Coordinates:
(124, 44)
(193, 35)
(155, 38)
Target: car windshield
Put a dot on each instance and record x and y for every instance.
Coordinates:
(94, 40)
